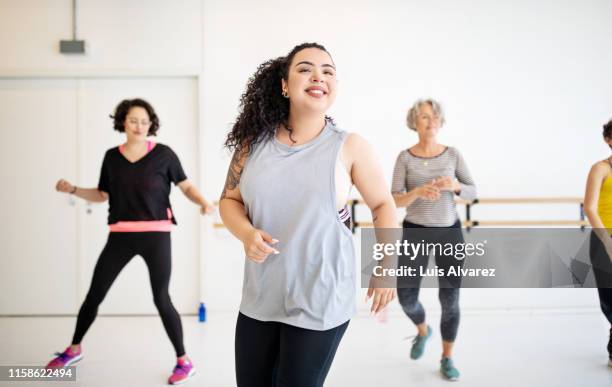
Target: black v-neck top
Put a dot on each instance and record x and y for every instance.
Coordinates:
(140, 191)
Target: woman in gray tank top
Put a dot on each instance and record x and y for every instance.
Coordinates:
(281, 201)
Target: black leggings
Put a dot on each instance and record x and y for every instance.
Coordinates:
(120, 248)
(602, 269)
(273, 354)
(448, 293)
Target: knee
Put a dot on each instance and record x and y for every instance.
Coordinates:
(408, 298)
(162, 300)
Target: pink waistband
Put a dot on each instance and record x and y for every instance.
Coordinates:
(142, 226)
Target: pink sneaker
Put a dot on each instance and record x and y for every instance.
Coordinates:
(182, 371)
(65, 358)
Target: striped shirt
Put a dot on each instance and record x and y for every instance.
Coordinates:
(413, 171)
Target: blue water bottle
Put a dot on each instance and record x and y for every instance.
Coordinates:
(202, 312)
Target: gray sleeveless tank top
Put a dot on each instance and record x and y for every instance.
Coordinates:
(290, 193)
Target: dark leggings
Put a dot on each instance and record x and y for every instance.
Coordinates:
(408, 293)
(120, 248)
(273, 354)
(602, 269)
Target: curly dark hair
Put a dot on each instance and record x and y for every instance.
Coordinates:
(262, 106)
(607, 130)
(122, 110)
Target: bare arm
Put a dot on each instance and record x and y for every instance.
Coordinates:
(233, 213)
(368, 177)
(93, 195)
(231, 206)
(192, 193)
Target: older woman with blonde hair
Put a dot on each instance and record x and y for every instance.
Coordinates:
(426, 178)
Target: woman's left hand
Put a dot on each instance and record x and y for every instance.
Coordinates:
(447, 183)
(207, 209)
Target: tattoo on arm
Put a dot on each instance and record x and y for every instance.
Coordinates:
(233, 174)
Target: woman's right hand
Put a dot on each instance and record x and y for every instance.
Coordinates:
(64, 186)
(429, 191)
(257, 245)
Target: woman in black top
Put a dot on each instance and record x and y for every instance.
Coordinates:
(135, 178)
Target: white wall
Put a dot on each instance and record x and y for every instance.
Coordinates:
(526, 85)
(130, 36)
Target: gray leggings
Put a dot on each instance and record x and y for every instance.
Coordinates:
(408, 293)
(449, 299)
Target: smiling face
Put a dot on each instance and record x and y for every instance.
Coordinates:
(137, 124)
(427, 121)
(311, 81)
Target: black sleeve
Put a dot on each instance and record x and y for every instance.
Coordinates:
(175, 169)
(104, 183)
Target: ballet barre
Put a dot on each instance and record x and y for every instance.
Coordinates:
(469, 222)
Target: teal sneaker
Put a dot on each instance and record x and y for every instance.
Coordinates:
(448, 369)
(418, 345)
